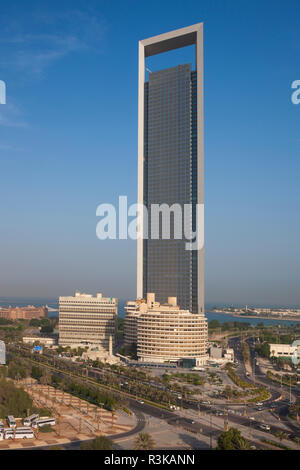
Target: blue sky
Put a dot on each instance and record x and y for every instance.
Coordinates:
(68, 142)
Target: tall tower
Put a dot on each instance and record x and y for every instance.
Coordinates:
(170, 168)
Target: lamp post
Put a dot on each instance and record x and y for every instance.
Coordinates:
(210, 435)
(250, 431)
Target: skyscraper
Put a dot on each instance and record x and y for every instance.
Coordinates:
(170, 168)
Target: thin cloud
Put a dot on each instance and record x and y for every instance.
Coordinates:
(11, 116)
(31, 44)
(8, 147)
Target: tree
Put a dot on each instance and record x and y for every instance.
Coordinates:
(47, 329)
(99, 443)
(297, 440)
(13, 401)
(213, 324)
(281, 435)
(45, 379)
(263, 350)
(34, 322)
(18, 369)
(232, 440)
(36, 372)
(144, 441)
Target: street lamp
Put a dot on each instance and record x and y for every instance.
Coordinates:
(210, 436)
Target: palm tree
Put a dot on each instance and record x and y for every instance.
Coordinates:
(144, 441)
(243, 444)
(297, 440)
(281, 435)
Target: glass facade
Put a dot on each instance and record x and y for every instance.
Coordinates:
(170, 176)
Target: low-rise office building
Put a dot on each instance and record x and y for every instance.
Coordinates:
(165, 333)
(87, 320)
(221, 355)
(284, 350)
(49, 342)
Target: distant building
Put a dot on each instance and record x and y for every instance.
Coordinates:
(229, 355)
(39, 339)
(215, 352)
(165, 332)
(23, 313)
(221, 355)
(2, 353)
(284, 350)
(85, 320)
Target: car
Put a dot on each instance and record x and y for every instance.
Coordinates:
(259, 403)
(141, 402)
(265, 427)
(193, 422)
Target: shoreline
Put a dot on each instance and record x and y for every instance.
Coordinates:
(256, 317)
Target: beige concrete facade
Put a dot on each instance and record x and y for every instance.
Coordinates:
(86, 320)
(284, 350)
(39, 339)
(165, 332)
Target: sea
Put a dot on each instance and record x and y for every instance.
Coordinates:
(53, 310)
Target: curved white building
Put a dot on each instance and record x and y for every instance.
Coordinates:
(165, 333)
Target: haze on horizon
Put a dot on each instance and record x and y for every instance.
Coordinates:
(68, 142)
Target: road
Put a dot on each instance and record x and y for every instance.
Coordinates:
(176, 419)
(278, 402)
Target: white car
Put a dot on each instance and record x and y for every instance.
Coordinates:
(265, 427)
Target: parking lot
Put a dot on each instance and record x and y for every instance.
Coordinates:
(75, 418)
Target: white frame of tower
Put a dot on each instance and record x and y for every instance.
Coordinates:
(191, 35)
